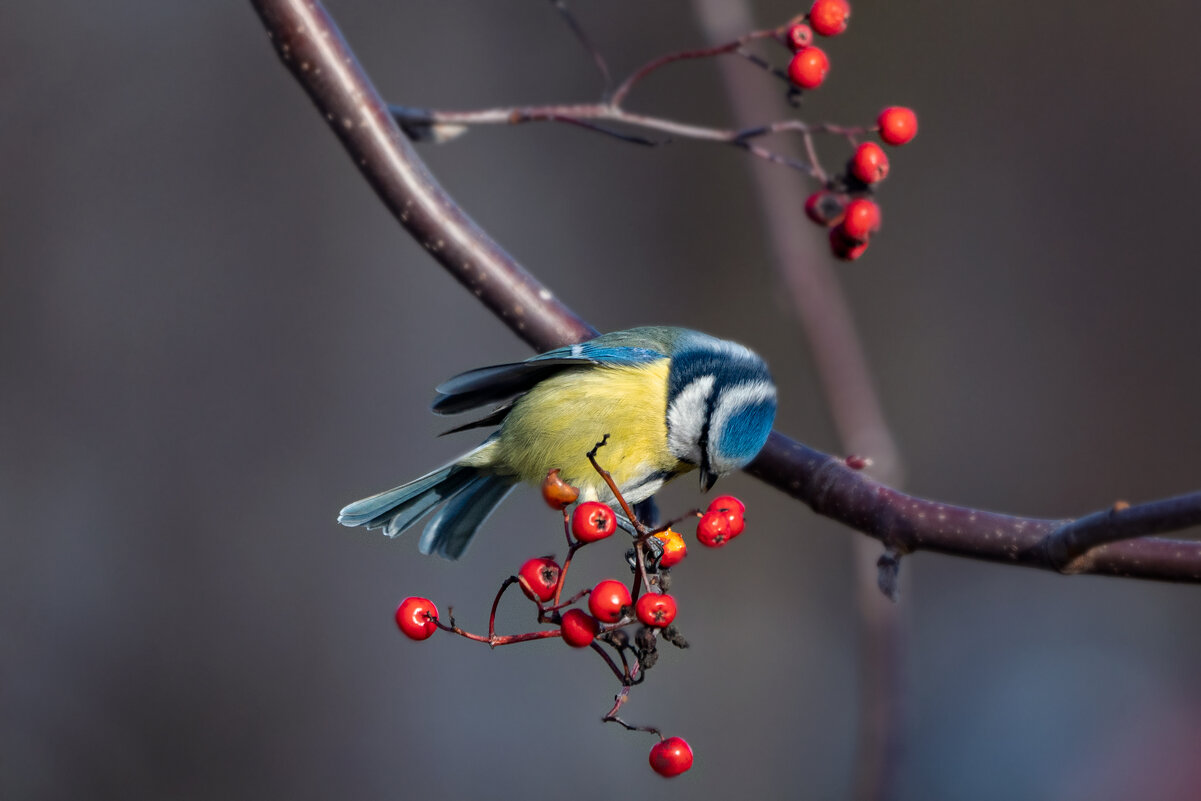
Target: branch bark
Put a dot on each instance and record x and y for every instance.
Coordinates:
(313, 49)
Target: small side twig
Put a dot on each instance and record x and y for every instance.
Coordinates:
(600, 649)
(495, 603)
(1069, 545)
(584, 39)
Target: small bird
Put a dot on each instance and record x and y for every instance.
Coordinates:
(671, 400)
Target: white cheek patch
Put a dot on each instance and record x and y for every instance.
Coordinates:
(732, 350)
(686, 419)
(732, 400)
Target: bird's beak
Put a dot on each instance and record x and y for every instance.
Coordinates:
(707, 480)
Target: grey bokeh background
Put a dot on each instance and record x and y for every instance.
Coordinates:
(212, 336)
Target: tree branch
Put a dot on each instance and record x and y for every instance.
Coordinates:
(1071, 546)
(311, 46)
(444, 125)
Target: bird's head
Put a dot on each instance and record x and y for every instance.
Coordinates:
(721, 402)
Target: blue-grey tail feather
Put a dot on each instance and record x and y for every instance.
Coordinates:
(399, 508)
(451, 530)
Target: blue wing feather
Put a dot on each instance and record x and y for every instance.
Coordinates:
(491, 384)
(451, 530)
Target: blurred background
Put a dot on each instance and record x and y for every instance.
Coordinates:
(212, 336)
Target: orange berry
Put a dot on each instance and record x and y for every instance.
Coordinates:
(557, 493)
(674, 548)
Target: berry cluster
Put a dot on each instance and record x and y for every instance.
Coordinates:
(807, 69)
(841, 205)
(612, 607)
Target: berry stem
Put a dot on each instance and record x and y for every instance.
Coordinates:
(495, 603)
(640, 577)
(501, 639)
(618, 702)
(567, 530)
(572, 547)
(604, 474)
(705, 52)
(557, 606)
(600, 649)
(666, 526)
(763, 64)
(582, 37)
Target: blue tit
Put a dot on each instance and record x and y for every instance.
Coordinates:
(670, 400)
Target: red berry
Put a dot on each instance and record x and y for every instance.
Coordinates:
(724, 503)
(869, 164)
(607, 599)
(799, 36)
(808, 67)
(539, 578)
(579, 628)
(862, 220)
(830, 17)
(735, 523)
(714, 530)
(843, 246)
(557, 493)
(824, 207)
(656, 609)
(414, 616)
(733, 510)
(671, 757)
(897, 124)
(592, 521)
(674, 548)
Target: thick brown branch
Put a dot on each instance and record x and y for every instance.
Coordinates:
(907, 523)
(312, 47)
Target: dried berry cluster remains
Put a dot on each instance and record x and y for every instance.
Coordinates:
(623, 623)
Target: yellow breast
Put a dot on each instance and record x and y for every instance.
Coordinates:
(556, 423)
